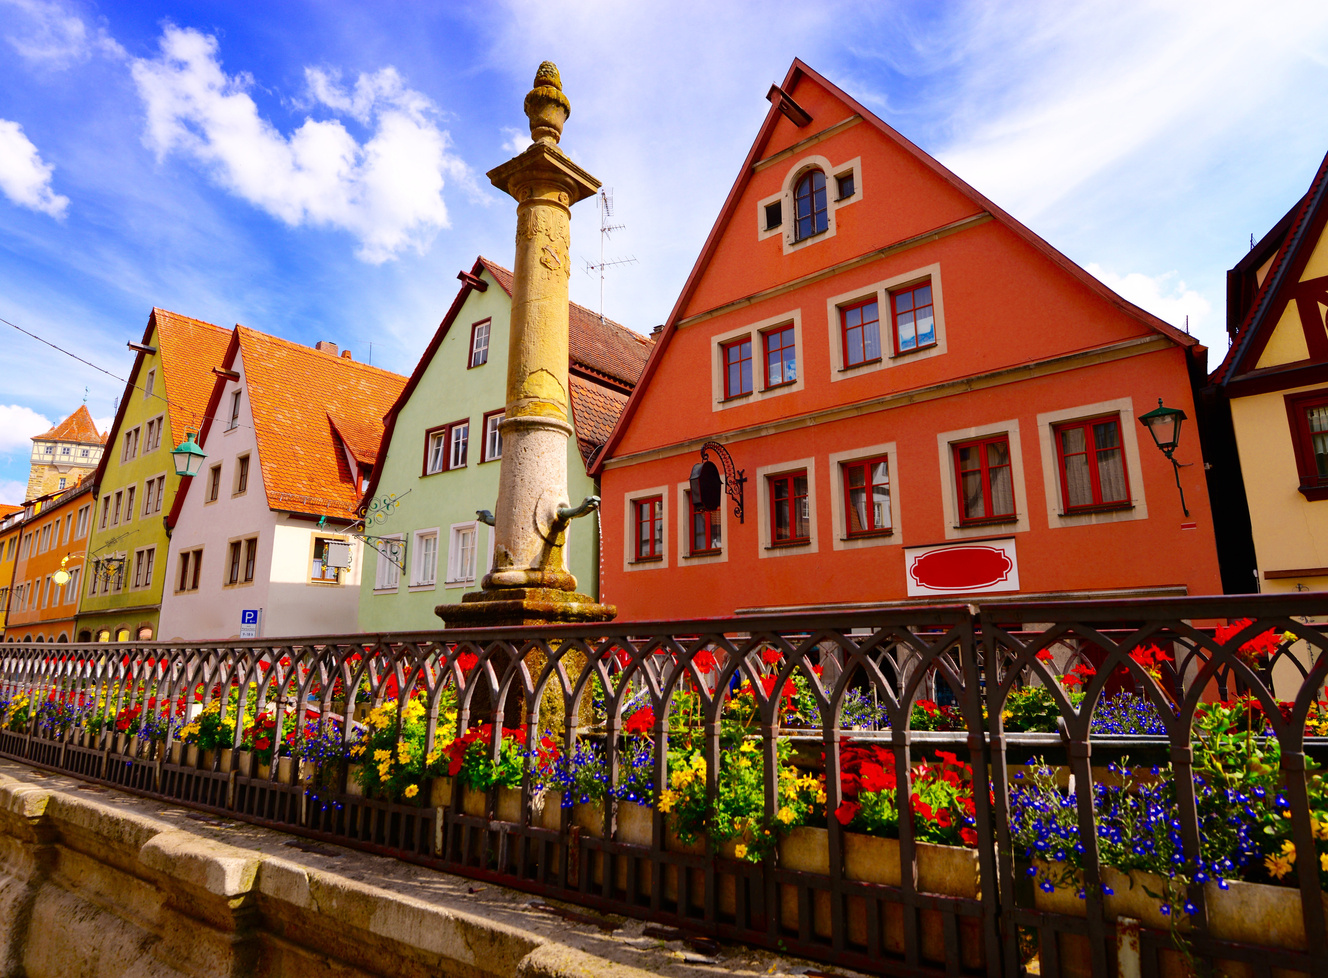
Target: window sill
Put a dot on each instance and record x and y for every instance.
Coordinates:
(904, 354)
(994, 521)
(649, 560)
(387, 590)
(859, 366)
(431, 586)
(778, 387)
(1104, 508)
(869, 535)
(1314, 492)
(319, 583)
(486, 461)
(735, 397)
(460, 583)
(811, 237)
(704, 553)
(785, 544)
(840, 200)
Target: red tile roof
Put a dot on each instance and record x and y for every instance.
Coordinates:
(78, 427)
(8, 510)
(304, 402)
(189, 349)
(595, 410)
(598, 345)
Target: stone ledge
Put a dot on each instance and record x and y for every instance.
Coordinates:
(234, 898)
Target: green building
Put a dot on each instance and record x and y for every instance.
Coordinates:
(438, 463)
(135, 482)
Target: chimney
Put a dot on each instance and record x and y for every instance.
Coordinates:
(657, 330)
(323, 346)
(345, 355)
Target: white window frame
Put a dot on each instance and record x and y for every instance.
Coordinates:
(493, 437)
(234, 421)
(458, 440)
(475, 346)
(438, 443)
(455, 577)
(387, 574)
(423, 570)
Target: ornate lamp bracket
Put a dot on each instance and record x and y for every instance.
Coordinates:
(734, 478)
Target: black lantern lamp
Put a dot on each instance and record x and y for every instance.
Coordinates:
(188, 456)
(1163, 423)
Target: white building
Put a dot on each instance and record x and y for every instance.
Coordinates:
(262, 541)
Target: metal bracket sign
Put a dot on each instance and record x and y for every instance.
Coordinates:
(706, 483)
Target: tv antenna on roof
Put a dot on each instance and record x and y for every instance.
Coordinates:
(604, 200)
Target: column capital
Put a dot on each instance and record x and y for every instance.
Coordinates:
(543, 163)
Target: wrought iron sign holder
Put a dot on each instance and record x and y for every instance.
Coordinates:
(706, 483)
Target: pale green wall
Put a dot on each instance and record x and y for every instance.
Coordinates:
(448, 392)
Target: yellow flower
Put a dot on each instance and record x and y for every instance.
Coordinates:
(744, 762)
(787, 815)
(748, 747)
(382, 755)
(432, 758)
(1006, 714)
(1323, 861)
(1320, 828)
(667, 799)
(740, 850)
(412, 790)
(1278, 866)
(1289, 848)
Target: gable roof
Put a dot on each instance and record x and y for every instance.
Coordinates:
(605, 352)
(303, 402)
(188, 350)
(78, 427)
(796, 73)
(1300, 233)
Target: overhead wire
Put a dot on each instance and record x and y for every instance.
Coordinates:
(147, 393)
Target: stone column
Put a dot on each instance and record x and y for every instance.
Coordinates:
(530, 582)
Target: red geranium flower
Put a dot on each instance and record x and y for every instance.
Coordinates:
(771, 656)
(704, 661)
(847, 811)
(640, 722)
(969, 836)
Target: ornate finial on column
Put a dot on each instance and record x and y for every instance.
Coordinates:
(547, 107)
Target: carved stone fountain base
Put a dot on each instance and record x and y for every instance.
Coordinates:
(519, 606)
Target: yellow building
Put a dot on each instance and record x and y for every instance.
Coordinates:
(1274, 381)
(165, 399)
(11, 520)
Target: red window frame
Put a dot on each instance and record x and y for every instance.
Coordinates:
(648, 512)
(866, 465)
(782, 342)
(789, 481)
(1091, 452)
(446, 431)
(471, 364)
(845, 330)
(895, 314)
(984, 466)
(1312, 485)
(709, 531)
(484, 427)
(736, 346)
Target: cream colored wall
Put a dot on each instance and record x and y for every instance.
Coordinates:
(1290, 531)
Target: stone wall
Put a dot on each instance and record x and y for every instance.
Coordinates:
(98, 889)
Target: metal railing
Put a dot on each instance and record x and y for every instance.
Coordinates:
(766, 780)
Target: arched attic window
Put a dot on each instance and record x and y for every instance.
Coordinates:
(809, 206)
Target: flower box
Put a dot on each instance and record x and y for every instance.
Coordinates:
(177, 753)
(475, 803)
(635, 825)
(944, 870)
(440, 792)
(285, 768)
(191, 755)
(1246, 913)
(244, 763)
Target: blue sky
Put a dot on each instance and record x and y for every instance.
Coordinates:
(316, 170)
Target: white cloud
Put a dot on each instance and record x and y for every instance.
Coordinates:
(517, 141)
(13, 492)
(1165, 296)
(24, 177)
(18, 425)
(54, 35)
(388, 192)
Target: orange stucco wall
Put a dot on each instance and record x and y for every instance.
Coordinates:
(53, 620)
(1009, 310)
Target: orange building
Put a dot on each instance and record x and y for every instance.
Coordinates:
(926, 400)
(53, 539)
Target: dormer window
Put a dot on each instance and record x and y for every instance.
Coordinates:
(811, 217)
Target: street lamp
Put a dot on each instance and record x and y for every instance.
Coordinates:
(62, 576)
(188, 456)
(1163, 423)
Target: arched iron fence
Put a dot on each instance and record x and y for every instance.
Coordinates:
(1078, 789)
